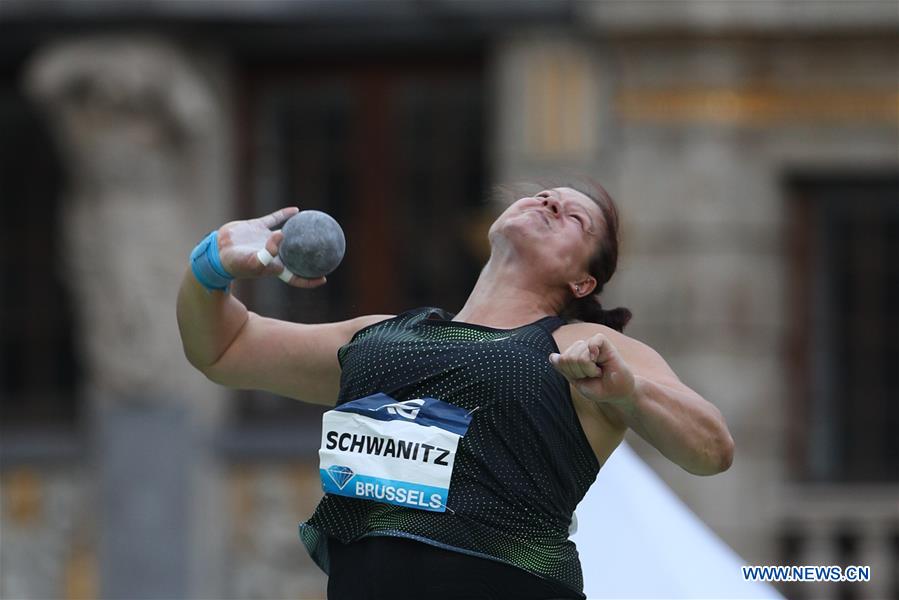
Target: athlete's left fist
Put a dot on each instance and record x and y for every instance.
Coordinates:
(595, 368)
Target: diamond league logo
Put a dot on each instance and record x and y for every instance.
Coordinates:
(340, 475)
(408, 409)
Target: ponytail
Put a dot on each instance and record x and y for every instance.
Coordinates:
(590, 309)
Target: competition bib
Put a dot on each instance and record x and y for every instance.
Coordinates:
(377, 448)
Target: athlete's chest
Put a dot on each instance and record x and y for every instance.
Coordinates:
(489, 360)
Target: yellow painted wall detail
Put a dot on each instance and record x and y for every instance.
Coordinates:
(22, 496)
(759, 106)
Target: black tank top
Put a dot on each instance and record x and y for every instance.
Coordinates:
(521, 469)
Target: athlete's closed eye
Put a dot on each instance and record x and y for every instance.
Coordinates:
(582, 222)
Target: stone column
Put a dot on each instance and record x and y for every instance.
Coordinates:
(144, 138)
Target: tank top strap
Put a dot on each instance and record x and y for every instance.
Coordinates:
(550, 323)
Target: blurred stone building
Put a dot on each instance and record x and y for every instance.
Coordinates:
(753, 148)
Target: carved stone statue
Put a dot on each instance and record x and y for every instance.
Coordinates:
(140, 134)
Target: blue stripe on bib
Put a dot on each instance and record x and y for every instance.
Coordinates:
(428, 412)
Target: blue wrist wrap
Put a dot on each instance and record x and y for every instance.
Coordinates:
(207, 266)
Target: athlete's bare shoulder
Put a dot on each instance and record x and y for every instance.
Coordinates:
(579, 330)
(642, 358)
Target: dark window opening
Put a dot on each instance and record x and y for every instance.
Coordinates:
(39, 368)
(844, 234)
(396, 153)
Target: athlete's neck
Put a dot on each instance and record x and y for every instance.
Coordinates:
(503, 297)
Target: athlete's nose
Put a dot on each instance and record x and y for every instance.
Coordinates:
(552, 204)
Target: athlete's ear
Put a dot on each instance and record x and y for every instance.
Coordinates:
(584, 287)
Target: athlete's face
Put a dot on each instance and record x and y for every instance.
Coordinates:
(558, 229)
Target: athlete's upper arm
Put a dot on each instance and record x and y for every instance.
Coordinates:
(296, 360)
(644, 360)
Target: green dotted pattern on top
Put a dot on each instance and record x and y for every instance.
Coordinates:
(521, 469)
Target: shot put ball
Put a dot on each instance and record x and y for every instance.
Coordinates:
(313, 244)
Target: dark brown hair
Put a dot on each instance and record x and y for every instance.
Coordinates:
(602, 266)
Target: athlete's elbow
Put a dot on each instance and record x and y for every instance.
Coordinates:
(718, 447)
(197, 355)
(222, 375)
(720, 457)
(209, 370)
(716, 456)
(725, 453)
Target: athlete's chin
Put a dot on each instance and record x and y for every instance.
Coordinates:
(522, 228)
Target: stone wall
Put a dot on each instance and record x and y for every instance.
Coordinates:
(49, 533)
(266, 559)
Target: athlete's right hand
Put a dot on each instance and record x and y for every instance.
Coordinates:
(240, 241)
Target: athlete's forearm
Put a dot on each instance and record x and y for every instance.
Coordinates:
(682, 425)
(208, 321)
